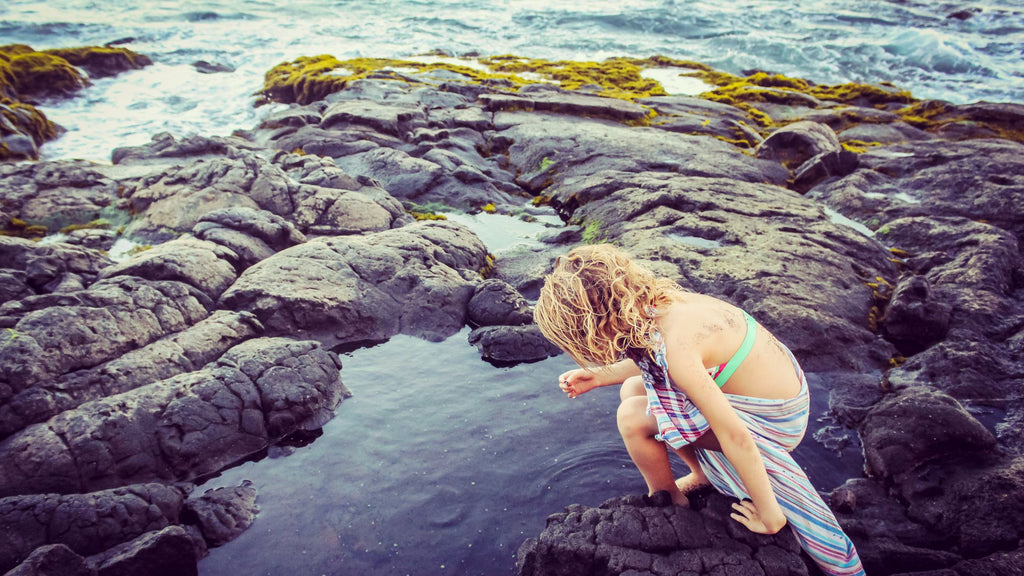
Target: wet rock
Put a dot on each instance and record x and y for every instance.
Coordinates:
(179, 428)
(914, 320)
(558, 101)
(233, 177)
(53, 560)
(223, 513)
(763, 247)
(880, 134)
(506, 345)
(496, 303)
(551, 152)
(204, 67)
(99, 239)
(852, 395)
(916, 426)
(637, 536)
(796, 143)
(32, 268)
(55, 334)
(59, 194)
(84, 523)
(978, 507)
(165, 146)
(833, 164)
(102, 61)
(413, 280)
(203, 265)
(252, 235)
(690, 115)
(973, 179)
(185, 351)
(168, 552)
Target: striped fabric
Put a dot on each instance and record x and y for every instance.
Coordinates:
(777, 427)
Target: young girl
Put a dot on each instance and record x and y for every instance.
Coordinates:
(700, 375)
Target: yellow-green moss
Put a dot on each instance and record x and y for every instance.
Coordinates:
(94, 225)
(28, 120)
(22, 229)
(303, 80)
(41, 74)
(101, 60)
(488, 267)
(489, 208)
(742, 92)
(618, 77)
(859, 146)
(427, 216)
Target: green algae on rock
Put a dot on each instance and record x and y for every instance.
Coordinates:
(27, 75)
(310, 78)
(101, 61)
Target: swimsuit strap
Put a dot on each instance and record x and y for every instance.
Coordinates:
(741, 354)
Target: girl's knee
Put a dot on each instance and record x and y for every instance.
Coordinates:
(632, 417)
(632, 386)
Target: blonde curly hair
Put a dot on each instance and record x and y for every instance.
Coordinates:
(597, 303)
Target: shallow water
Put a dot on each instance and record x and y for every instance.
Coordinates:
(443, 464)
(914, 44)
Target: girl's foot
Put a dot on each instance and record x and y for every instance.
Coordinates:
(692, 482)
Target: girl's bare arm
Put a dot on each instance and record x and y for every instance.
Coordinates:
(688, 373)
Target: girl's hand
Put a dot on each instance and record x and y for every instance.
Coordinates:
(578, 381)
(749, 517)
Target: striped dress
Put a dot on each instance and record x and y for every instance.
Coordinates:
(777, 426)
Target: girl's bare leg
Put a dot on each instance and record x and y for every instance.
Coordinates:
(649, 455)
(696, 478)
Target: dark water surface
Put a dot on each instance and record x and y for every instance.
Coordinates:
(443, 464)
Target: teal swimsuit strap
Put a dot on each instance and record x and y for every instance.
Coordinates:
(741, 354)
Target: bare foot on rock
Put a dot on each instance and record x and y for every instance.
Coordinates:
(691, 483)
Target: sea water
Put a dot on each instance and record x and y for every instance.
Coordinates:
(960, 52)
(441, 463)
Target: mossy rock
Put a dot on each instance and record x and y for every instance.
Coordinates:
(40, 75)
(311, 78)
(22, 229)
(102, 61)
(969, 121)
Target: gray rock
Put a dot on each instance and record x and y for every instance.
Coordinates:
(185, 351)
(916, 426)
(563, 102)
(973, 179)
(59, 194)
(224, 513)
(504, 345)
(56, 334)
(53, 560)
(168, 552)
(85, 523)
(794, 144)
(176, 199)
(914, 320)
(413, 280)
(832, 164)
(496, 303)
(645, 536)
(40, 268)
(203, 265)
(179, 428)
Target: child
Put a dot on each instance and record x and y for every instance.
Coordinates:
(700, 375)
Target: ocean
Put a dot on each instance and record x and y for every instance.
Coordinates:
(955, 51)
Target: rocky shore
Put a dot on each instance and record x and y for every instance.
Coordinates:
(878, 235)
